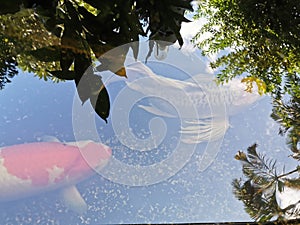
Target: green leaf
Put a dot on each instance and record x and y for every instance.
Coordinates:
(69, 44)
(81, 64)
(100, 103)
(91, 87)
(181, 18)
(66, 59)
(73, 21)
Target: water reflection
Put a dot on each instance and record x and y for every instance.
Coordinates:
(173, 145)
(268, 193)
(188, 193)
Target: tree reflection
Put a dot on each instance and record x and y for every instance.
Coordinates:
(262, 187)
(61, 39)
(263, 37)
(264, 40)
(288, 115)
(8, 63)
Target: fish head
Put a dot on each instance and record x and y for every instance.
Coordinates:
(32, 168)
(95, 155)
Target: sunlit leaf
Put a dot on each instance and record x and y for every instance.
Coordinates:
(240, 156)
(88, 7)
(60, 39)
(121, 72)
(261, 85)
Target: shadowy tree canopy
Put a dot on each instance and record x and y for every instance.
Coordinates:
(60, 39)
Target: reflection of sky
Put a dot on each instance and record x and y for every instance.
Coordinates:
(32, 108)
(29, 106)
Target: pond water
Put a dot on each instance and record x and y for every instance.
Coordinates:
(147, 180)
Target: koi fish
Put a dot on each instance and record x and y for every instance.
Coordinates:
(34, 168)
(203, 106)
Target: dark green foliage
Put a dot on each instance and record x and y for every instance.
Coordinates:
(259, 207)
(258, 191)
(80, 31)
(90, 87)
(8, 63)
(288, 115)
(46, 54)
(264, 36)
(100, 103)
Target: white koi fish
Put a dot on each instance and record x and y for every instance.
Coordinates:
(34, 168)
(198, 100)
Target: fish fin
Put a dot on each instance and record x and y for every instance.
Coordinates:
(156, 111)
(48, 138)
(73, 200)
(205, 129)
(79, 144)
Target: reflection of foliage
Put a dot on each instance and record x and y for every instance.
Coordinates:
(264, 37)
(25, 33)
(258, 192)
(265, 47)
(7, 64)
(60, 39)
(288, 115)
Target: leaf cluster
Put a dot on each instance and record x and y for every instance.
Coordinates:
(261, 42)
(61, 39)
(23, 32)
(258, 192)
(8, 63)
(256, 167)
(263, 37)
(287, 114)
